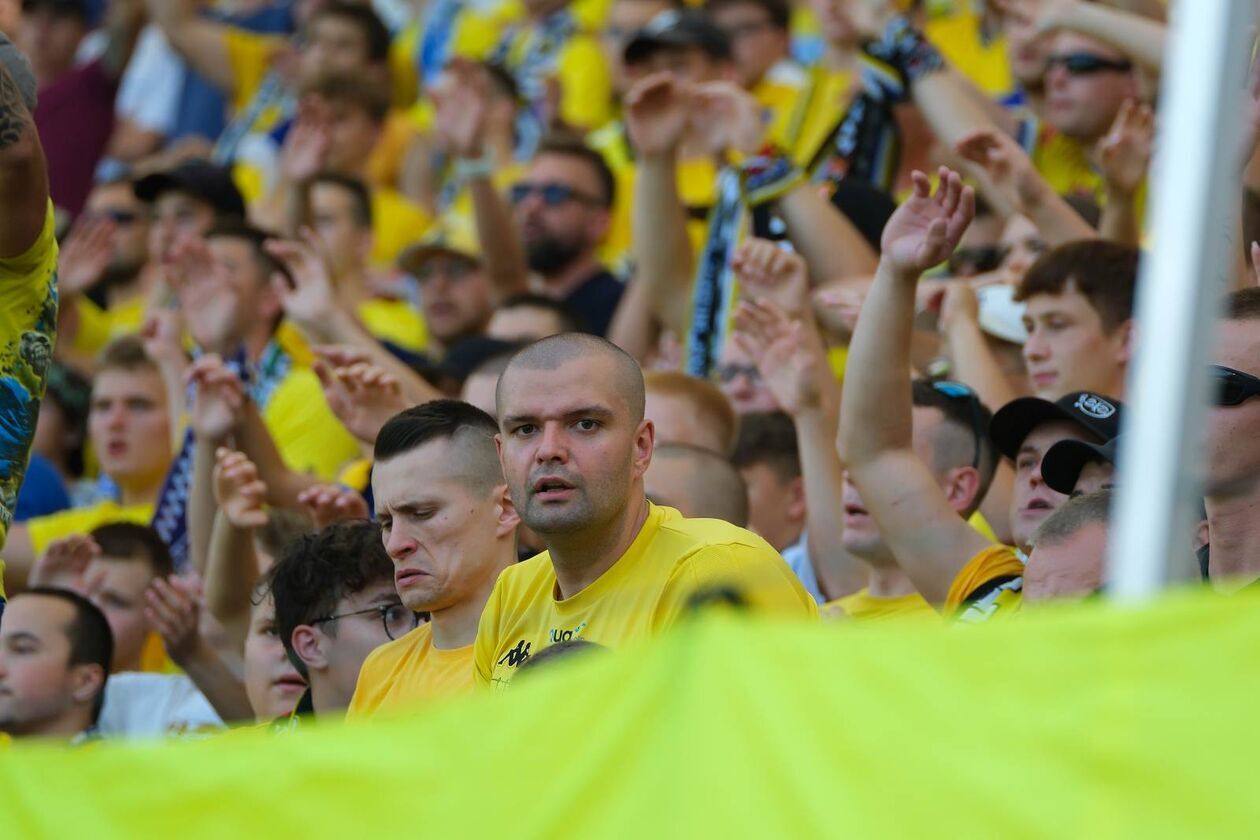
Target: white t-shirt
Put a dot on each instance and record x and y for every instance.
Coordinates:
(148, 94)
(153, 706)
(797, 557)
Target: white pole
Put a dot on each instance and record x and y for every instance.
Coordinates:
(1196, 185)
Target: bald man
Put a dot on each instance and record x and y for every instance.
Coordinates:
(574, 446)
(699, 483)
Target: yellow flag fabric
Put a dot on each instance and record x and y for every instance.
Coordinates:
(1094, 721)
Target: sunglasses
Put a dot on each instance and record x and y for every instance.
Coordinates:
(552, 194)
(1233, 387)
(958, 391)
(118, 217)
(1087, 64)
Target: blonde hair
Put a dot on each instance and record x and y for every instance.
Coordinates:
(711, 406)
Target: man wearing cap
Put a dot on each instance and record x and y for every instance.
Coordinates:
(456, 296)
(75, 115)
(1077, 467)
(187, 201)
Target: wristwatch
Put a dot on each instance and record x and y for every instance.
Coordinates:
(466, 169)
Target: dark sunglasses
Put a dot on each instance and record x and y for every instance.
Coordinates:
(1087, 64)
(552, 194)
(958, 391)
(118, 217)
(1233, 387)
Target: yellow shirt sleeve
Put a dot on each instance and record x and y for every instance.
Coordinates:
(250, 55)
(487, 642)
(758, 576)
(586, 98)
(309, 436)
(995, 563)
(45, 529)
(28, 328)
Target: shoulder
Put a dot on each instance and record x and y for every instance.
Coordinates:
(703, 534)
(994, 565)
(390, 655)
(38, 262)
(527, 574)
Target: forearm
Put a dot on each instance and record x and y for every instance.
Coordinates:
(950, 108)
(838, 572)
(661, 247)
(280, 210)
(633, 328)
(23, 173)
(1119, 220)
(875, 414)
(1054, 217)
(283, 485)
(201, 505)
(501, 246)
(199, 41)
(126, 19)
(1138, 37)
(831, 245)
(231, 571)
(974, 364)
(216, 681)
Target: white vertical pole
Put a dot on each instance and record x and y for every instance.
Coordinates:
(1195, 189)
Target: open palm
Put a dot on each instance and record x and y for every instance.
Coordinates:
(926, 228)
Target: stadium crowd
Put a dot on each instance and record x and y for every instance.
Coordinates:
(358, 355)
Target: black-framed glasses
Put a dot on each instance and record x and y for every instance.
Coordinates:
(1087, 64)
(728, 373)
(397, 620)
(958, 391)
(1233, 387)
(553, 194)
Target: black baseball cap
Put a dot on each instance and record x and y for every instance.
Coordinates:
(80, 8)
(677, 29)
(1095, 413)
(1063, 462)
(202, 179)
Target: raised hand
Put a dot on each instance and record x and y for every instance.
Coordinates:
(162, 335)
(788, 361)
(727, 117)
(85, 256)
(1010, 172)
(461, 100)
(656, 113)
(218, 399)
(329, 503)
(310, 299)
(64, 561)
(1041, 15)
(838, 303)
(209, 304)
(1125, 153)
(926, 228)
(238, 490)
(306, 145)
(362, 396)
(173, 610)
(768, 272)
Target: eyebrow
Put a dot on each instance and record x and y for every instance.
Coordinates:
(597, 411)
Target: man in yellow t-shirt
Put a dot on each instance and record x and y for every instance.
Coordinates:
(574, 446)
(449, 535)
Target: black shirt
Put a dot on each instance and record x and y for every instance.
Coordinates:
(596, 300)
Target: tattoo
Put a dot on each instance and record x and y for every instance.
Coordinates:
(13, 115)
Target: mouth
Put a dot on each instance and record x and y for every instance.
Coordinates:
(1044, 377)
(404, 578)
(1037, 506)
(856, 514)
(551, 489)
(290, 684)
(116, 448)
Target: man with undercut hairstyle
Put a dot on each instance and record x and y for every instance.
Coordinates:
(450, 528)
(701, 484)
(574, 446)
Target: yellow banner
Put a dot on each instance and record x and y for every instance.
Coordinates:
(1085, 722)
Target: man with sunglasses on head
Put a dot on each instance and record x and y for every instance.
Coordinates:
(1232, 491)
(336, 603)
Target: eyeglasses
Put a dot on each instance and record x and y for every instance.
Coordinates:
(451, 269)
(977, 260)
(1087, 64)
(551, 193)
(1233, 387)
(397, 620)
(118, 217)
(958, 391)
(727, 374)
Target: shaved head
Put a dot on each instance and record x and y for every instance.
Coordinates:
(699, 483)
(555, 351)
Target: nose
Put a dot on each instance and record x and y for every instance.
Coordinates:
(1056, 76)
(552, 445)
(399, 545)
(1035, 349)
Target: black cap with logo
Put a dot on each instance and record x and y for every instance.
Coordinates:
(1062, 464)
(1012, 423)
(200, 179)
(679, 29)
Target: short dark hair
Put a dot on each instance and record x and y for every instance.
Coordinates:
(570, 321)
(256, 238)
(566, 145)
(452, 420)
(1104, 272)
(360, 195)
(768, 438)
(283, 527)
(375, 32)
(1073, 515)
(129, 540)
(1243, 305)
(125, 353)
(357, 90)
(91, 640)
(972, 417)
(555, 350)
(778, 11)
(316, 571)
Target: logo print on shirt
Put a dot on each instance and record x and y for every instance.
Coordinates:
(1095, 406)
(557, 635)
(517, 655)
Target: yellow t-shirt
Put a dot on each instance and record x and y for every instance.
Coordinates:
(397, 222)
(408, 672)
(861, 606)
(1064, 163)
(990, 584)
(579, 71)
(645, 592)
(308, 435)
(97, 327)
(817, 112)
(957, 35)
(45, 529)
(477, 30)
(250, 55)
(28, 328)
(396, 321)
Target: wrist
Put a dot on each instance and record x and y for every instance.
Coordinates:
(473, 164)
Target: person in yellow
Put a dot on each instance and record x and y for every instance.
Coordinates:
(449, 535)
(574, 446)
(129, 429)
(55, 653)
(916, 506)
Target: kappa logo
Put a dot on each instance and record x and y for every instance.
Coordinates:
(1095, 406)
(517, 655)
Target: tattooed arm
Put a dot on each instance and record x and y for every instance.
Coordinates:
(23, 170)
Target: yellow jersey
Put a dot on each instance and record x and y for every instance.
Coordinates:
(97, 327)
(990, 584)
(862, 606)
(397, 222)
(650, 587)
(576, 68)
(45, 529)
(957, 34)
(395, 321)
(408, 672)
(28, 328)
(478, 27)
